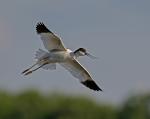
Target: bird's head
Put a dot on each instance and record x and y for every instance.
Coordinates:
(83, 52)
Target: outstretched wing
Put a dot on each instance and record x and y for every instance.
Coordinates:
(50, 40)
(78, 71)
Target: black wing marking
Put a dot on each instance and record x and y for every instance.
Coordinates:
(92, 85)
(41, 28)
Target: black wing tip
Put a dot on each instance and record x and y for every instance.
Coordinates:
(41, 28)
(92, 85)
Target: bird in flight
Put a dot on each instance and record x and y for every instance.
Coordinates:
(58, 54)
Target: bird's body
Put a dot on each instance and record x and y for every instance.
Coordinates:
(58, 54)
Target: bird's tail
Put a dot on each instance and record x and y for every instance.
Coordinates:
(39, 55)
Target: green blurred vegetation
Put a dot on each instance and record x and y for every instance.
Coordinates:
(33, 105)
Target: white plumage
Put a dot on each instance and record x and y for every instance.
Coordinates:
(57, 53)
(40, 54)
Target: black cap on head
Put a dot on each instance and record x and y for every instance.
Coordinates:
(80, 49)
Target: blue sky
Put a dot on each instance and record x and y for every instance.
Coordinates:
(117, 31)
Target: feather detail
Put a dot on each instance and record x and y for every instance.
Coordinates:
(41, 28)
